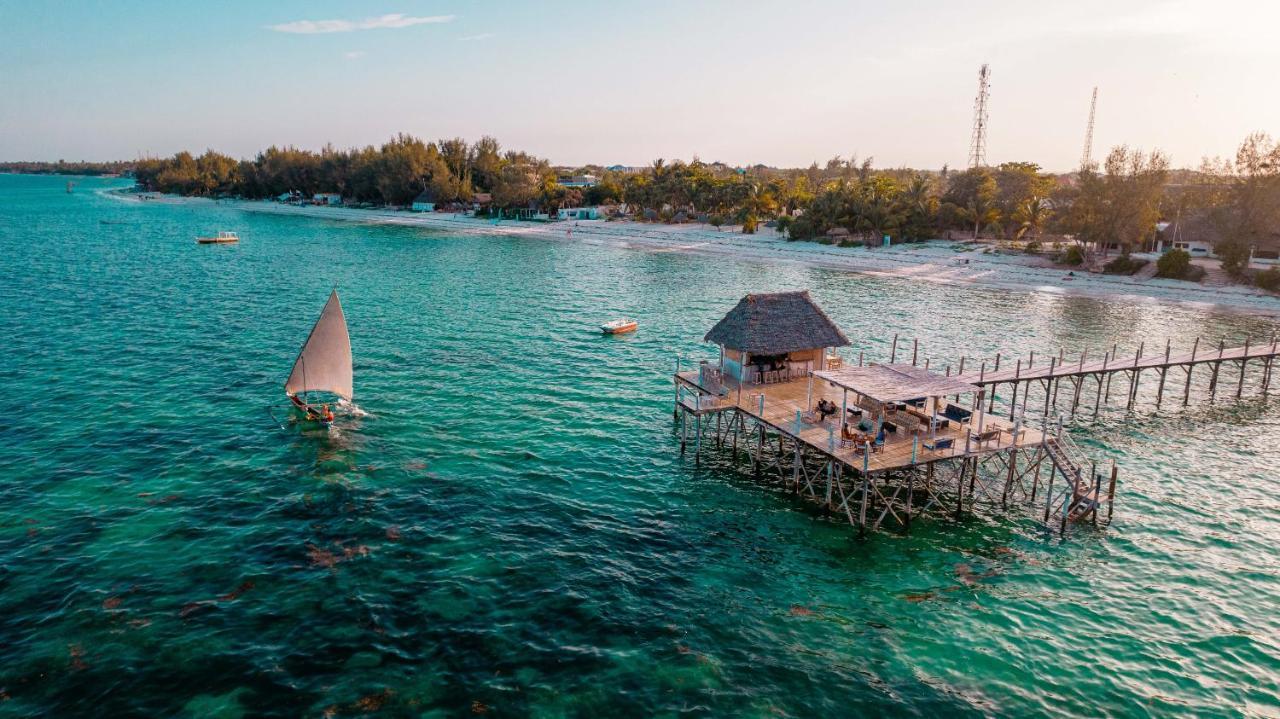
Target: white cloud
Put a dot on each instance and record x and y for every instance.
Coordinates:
(353, 54)
(481, 36)
(392, 21)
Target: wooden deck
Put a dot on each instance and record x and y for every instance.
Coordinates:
(904, 448)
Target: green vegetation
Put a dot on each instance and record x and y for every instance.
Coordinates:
(1032, 247)
(1119, 206)
(393, 174)
(62, 167)
(1268, 279)
(1123, 265)
(1073, 255)
(1237, 202)
(1095, 211)
(1234, 254)
(1174, 265)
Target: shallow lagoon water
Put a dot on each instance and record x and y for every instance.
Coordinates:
(509, 528)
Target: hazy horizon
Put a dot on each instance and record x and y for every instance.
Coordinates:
(739, 83)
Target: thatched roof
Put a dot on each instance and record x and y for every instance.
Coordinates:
(895, 382)
(777, 323)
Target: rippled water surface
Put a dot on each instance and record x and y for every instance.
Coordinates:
(511, 530)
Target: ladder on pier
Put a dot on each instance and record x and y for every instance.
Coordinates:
(1083, 495)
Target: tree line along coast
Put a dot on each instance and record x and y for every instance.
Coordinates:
(1096, 216)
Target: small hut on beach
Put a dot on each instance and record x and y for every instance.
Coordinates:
(838, 235)
(774, 337)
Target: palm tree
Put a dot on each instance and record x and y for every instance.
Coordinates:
(920, 207)
(880, 209)
(981, 211)
(1032, 216)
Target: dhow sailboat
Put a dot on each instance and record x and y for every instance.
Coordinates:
(323, 365)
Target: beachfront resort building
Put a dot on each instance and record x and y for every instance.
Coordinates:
(579, 213)
(424, 202)
(578, 180)
(1199, 236)
(327, 198)
(1194, 237)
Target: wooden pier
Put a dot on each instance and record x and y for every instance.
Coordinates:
(875, 443)
(1085, 376)
(984, 460)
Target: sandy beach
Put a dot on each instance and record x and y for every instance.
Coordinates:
(941, 261)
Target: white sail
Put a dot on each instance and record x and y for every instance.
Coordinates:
(324, 364)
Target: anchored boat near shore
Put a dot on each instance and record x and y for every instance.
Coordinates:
(222, 238)
(619, 327)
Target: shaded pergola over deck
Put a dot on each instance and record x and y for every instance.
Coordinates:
(787, 407)
(891, 383)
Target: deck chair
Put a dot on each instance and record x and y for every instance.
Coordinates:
(939, 444)
(984, 437)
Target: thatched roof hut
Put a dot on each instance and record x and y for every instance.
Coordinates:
(776, 324)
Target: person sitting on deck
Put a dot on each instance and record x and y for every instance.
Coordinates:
(324, 414)
(826, 409)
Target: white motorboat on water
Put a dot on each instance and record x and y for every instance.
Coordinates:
(222, 238)
(619, 327)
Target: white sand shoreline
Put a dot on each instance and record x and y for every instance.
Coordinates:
(935, 261)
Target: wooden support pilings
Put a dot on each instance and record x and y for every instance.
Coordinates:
(698, 439)
(1024, 376)
(1244, 358)
(1013, 406)
(1111, 492)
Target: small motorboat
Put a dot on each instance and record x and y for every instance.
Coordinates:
(222, 238)
(619, 327)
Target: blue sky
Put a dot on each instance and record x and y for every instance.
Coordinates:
(628, 82)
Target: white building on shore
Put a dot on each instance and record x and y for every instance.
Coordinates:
(579, 213)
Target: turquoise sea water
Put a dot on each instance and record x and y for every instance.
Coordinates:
(510, 529)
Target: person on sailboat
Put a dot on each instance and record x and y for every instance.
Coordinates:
(323, 364)
(323, 415)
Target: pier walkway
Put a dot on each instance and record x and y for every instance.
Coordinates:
(1051, 372)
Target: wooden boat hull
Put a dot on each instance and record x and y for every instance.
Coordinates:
(310, 413)
(215, 241)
